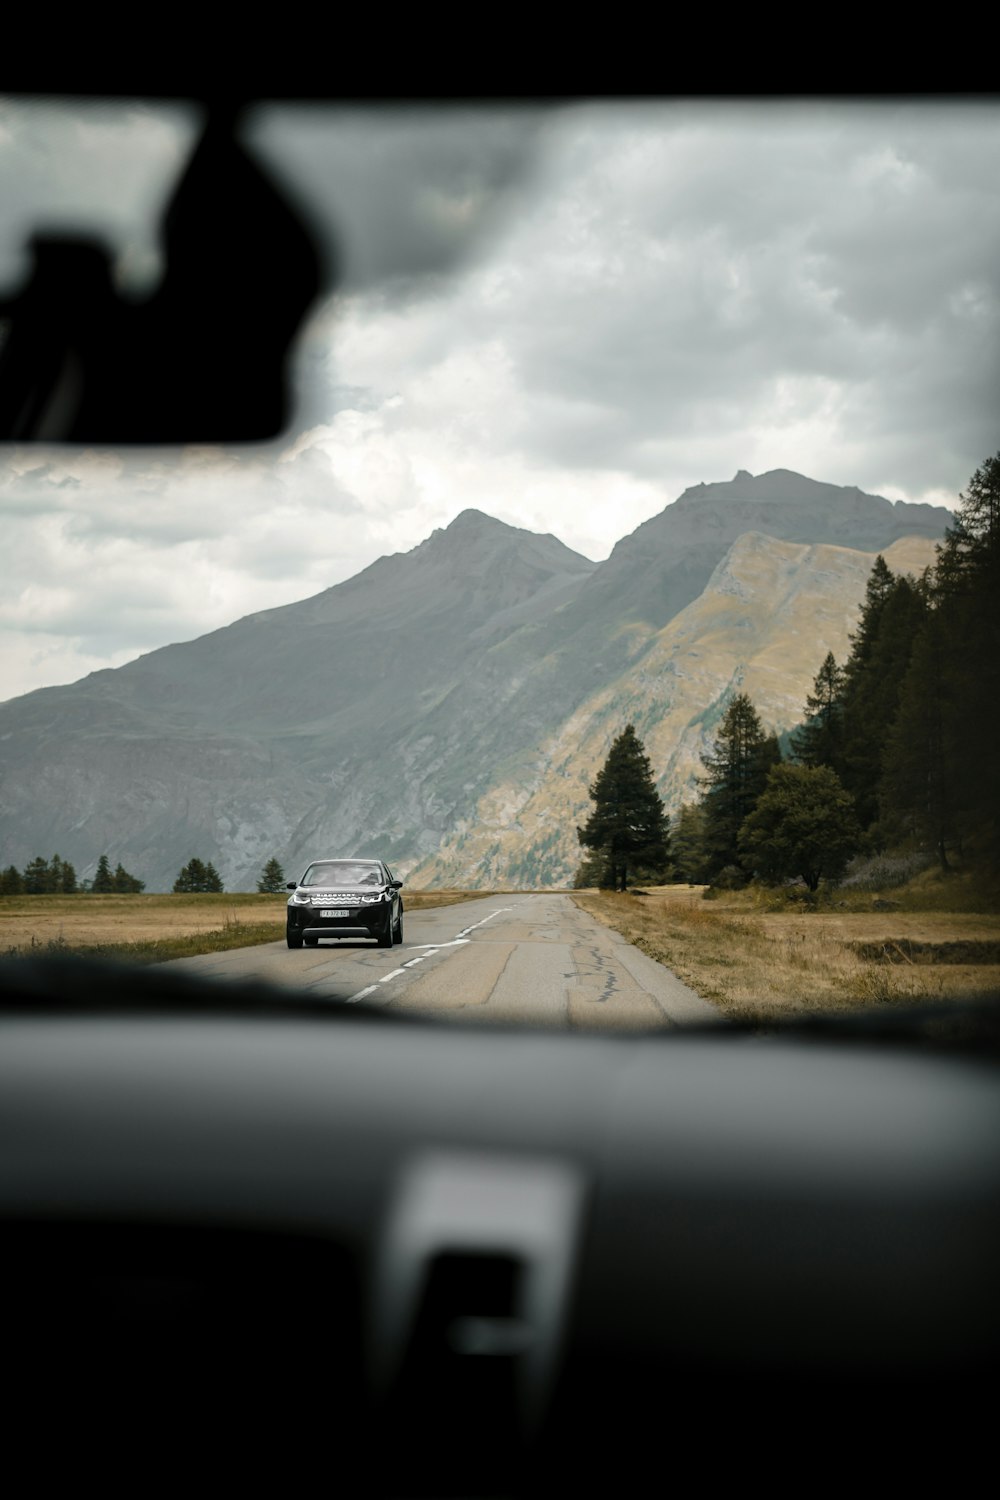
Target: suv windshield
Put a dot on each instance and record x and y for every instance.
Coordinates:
(343, 872)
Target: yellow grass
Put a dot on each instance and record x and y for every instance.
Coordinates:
(759, 965)
(87, 919)
(420, 900)
(158, 926)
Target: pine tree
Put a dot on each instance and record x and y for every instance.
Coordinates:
(978, 520)
(67, 882)
(126, 884)
(922, 758)
(628, 825)
(877, 590)
(593, 869)
(11, 882)
(892, 616)
(803, 825)
(687, 845)
(272, 880)
(820, 740)
(103, 882)
(191, 878)
(197, 877)
(36, 878)
(965, 600)
(737, 767)
(922, 692)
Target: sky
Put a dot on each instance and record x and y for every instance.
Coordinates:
(563, 317)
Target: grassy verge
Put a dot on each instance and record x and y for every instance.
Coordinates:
(151, 929)
(760, 960)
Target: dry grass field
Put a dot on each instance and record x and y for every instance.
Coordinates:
(759, 963)
(154, 927)
(755, 956)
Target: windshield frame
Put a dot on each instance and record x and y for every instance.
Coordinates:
(367, 866)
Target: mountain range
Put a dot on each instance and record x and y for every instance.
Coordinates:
(447, 707)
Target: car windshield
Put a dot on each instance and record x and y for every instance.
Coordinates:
(342, 872)
(587, 507)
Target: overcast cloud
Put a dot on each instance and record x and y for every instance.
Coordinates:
(563, 318)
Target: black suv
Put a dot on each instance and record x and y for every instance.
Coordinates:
(340, 898)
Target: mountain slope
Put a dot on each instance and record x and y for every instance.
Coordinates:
(665, 563)
(605, 627)
(763, 624)
(386, 712)
(289, 727)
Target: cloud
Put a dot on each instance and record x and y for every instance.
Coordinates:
(692, 267)
(690, 291)
(562, 317)
(123, 554)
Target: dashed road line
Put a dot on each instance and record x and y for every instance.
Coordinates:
(456, 942)
(485, 920)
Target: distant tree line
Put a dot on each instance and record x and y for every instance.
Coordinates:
(197, 877)
(57, 877)
(897, 749)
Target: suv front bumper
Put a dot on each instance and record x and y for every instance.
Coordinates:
(363, 922)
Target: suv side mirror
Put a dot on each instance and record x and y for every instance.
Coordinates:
(292, 885)
(396, 884)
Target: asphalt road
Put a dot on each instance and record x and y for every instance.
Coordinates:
(535, 959)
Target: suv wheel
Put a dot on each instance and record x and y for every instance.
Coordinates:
(385, 939)
(399, 928)
(293, 940)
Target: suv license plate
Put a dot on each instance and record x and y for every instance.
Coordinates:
(335, 914)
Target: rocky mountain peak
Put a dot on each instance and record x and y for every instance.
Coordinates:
(782, 486)
(470, 520)
(477, 545)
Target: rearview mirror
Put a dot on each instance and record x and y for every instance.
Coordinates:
(204, 359)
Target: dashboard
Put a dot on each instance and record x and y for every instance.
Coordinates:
(254, 1238)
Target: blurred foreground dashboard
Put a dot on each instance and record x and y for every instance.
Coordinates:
(249, 1240)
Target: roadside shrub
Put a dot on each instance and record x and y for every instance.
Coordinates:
(799, 894)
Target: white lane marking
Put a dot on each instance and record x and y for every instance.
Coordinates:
(485, 920)
(455, 943)
(430, 948)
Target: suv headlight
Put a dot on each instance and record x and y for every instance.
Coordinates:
(369, 899)
(300, 898)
